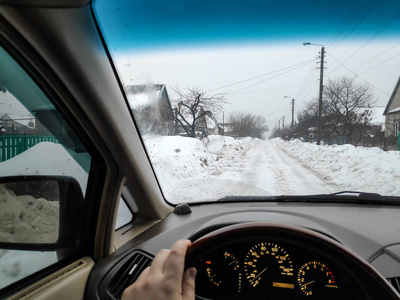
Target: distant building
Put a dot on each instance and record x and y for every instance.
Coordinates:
(18, 124)
(151, 108)
(392, 113)
(227, 129)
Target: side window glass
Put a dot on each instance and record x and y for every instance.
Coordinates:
(43, 175)
(124, 214)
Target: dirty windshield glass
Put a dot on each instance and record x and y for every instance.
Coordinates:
(261, 98)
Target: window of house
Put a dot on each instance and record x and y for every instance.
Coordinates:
(396, 128)
(36, 143)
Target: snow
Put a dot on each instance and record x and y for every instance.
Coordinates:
(25, 219)
(397, 109)
(190, 170)
(45, 158)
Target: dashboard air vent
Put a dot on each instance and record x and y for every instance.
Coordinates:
(128, 273)
(395, 282)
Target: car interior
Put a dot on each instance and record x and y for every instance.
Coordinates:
(55, 60)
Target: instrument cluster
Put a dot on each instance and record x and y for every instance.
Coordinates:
(269, 270)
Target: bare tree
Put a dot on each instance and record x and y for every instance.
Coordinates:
(344, 110)
(347, 102)
(247, 124)
(193, 108)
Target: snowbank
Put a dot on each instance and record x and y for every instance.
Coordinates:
(353, 168)
(44, 159)
(24, 219)
(177, 160)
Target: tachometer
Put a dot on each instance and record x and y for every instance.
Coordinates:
(315, 278)
(224, 270)
(269, 265)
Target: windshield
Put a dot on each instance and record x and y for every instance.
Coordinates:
(261, 98)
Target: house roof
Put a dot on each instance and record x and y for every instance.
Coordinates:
(140, 96)
(25, 120)
(394, 101)
(377, 117)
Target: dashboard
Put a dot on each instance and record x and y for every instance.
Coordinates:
(316, 260)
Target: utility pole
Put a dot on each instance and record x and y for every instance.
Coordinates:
(223, 123)
(292, 125)
(283, 123)
(321, 89)
(292, 115)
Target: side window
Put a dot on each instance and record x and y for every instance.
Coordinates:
(125, 214)
(43, 177)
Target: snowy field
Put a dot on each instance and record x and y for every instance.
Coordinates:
(191, 170)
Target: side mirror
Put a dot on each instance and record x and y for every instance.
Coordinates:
(42, 213)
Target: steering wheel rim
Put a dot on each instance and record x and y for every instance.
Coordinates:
(371, 283)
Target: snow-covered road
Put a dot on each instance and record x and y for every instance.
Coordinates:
(293, 177)
(234, 168)
(190, 170)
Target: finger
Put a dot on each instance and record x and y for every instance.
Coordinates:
(158, 264)
(188, 284)
(176, 261)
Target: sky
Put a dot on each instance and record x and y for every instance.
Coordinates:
(230, 70)
(253, 51)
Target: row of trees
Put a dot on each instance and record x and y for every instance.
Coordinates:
(345, 111)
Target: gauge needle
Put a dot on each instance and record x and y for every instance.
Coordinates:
(308, 283)
(232, 262)
(258, 275)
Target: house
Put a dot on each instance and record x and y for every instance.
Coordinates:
(227, 129)
(392, 113)
(17, 124)
(373, 133)
(151, 108)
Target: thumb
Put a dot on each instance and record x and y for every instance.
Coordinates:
(188, 284)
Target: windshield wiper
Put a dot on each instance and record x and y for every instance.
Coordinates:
(339, 197)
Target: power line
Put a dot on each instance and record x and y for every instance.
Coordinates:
(374, 36)
(375, 57)
(380, 63)
(262, 81)
(360, 77)
(259, 76)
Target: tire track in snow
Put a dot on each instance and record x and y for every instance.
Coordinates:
(298, 179)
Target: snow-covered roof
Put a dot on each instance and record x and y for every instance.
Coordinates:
(140, 96)
(394, 110)
(377, 117)
(394, 101)
(25, 120)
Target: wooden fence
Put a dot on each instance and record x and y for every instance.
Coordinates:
(12, 145)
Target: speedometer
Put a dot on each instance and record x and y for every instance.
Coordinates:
(267, 264)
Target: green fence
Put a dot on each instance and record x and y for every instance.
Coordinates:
(12, 145)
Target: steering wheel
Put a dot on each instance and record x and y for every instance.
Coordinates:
(366, 282)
